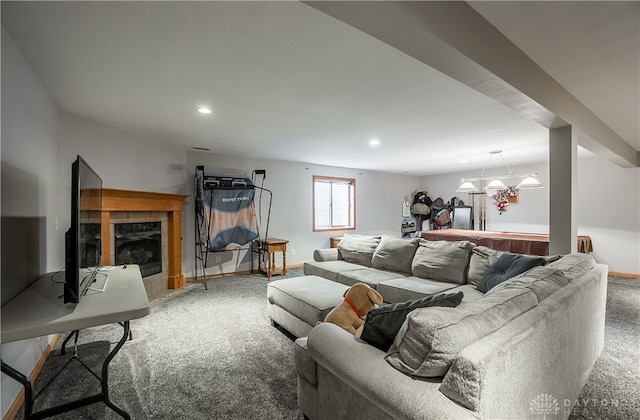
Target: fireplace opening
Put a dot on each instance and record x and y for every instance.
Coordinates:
(90, 244)
(141, 244)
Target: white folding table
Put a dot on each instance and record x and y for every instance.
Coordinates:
(39, 311)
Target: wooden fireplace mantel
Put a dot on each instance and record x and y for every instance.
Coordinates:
(114, 200)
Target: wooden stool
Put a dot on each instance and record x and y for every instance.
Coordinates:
(271, 246)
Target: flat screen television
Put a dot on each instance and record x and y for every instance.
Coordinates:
(83, 249)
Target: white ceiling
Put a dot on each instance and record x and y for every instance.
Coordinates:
(288, 82)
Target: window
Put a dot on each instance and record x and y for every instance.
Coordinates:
(334, 203)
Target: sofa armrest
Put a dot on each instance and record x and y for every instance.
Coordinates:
(363, 368)
(548, 350)
(328, 254)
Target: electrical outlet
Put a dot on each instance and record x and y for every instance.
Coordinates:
(293, 252)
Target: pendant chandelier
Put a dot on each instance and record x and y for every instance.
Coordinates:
(495, 182)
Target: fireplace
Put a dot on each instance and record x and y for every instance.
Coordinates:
(133, 210)
(141, 244)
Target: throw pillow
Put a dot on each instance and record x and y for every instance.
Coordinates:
(382, 324)
(358, 249)
(507, 266)
(482, 258)
(395, 254)
(446, 261)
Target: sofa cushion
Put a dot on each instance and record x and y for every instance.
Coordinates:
(382, 324)
(370, 276)
(358, 249)
(395, 254)
(507, 266)
(442, 260)
(482, 257)
(541, 280)
(329, 269)
(411, 288)
(430, 338)
(574, 265)
(308, 298)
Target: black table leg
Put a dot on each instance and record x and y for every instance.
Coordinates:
(26, 384)
(104, 381)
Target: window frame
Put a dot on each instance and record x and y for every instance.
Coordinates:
(352, 203)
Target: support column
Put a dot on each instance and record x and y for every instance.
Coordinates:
(563, 165)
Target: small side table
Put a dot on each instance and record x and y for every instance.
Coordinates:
(271, 246)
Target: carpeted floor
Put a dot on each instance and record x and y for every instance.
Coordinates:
(212, 354)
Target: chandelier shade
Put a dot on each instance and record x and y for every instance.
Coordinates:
(529, 182)
(467, 187)
(495, 184)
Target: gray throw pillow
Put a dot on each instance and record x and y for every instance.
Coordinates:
(382, 324)
(358, 249)
(395, 254)
(507, 266)
(446, 261)
(482, 258)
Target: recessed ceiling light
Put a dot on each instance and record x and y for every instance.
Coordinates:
(464, 161)
(374, 142)
(204, 110)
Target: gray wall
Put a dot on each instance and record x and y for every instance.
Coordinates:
(29, 196)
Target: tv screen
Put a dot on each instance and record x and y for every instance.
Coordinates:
(82, 241)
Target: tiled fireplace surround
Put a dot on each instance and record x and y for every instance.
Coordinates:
(124, 206)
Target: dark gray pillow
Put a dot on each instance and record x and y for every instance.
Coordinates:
(382, 324)
(507, 266)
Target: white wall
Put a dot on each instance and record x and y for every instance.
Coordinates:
(379, 199)
(608, 208)
(608, 205)
(29, 140)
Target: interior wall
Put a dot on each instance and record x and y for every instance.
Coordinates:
(379, 198)
(29, 197)
(608, 208)
(123, 160)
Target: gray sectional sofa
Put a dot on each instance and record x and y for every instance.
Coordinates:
(524, 348)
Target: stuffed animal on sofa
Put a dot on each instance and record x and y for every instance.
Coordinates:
(350, 313)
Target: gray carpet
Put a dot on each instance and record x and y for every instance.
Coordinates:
(214, 355)
(201, 354)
